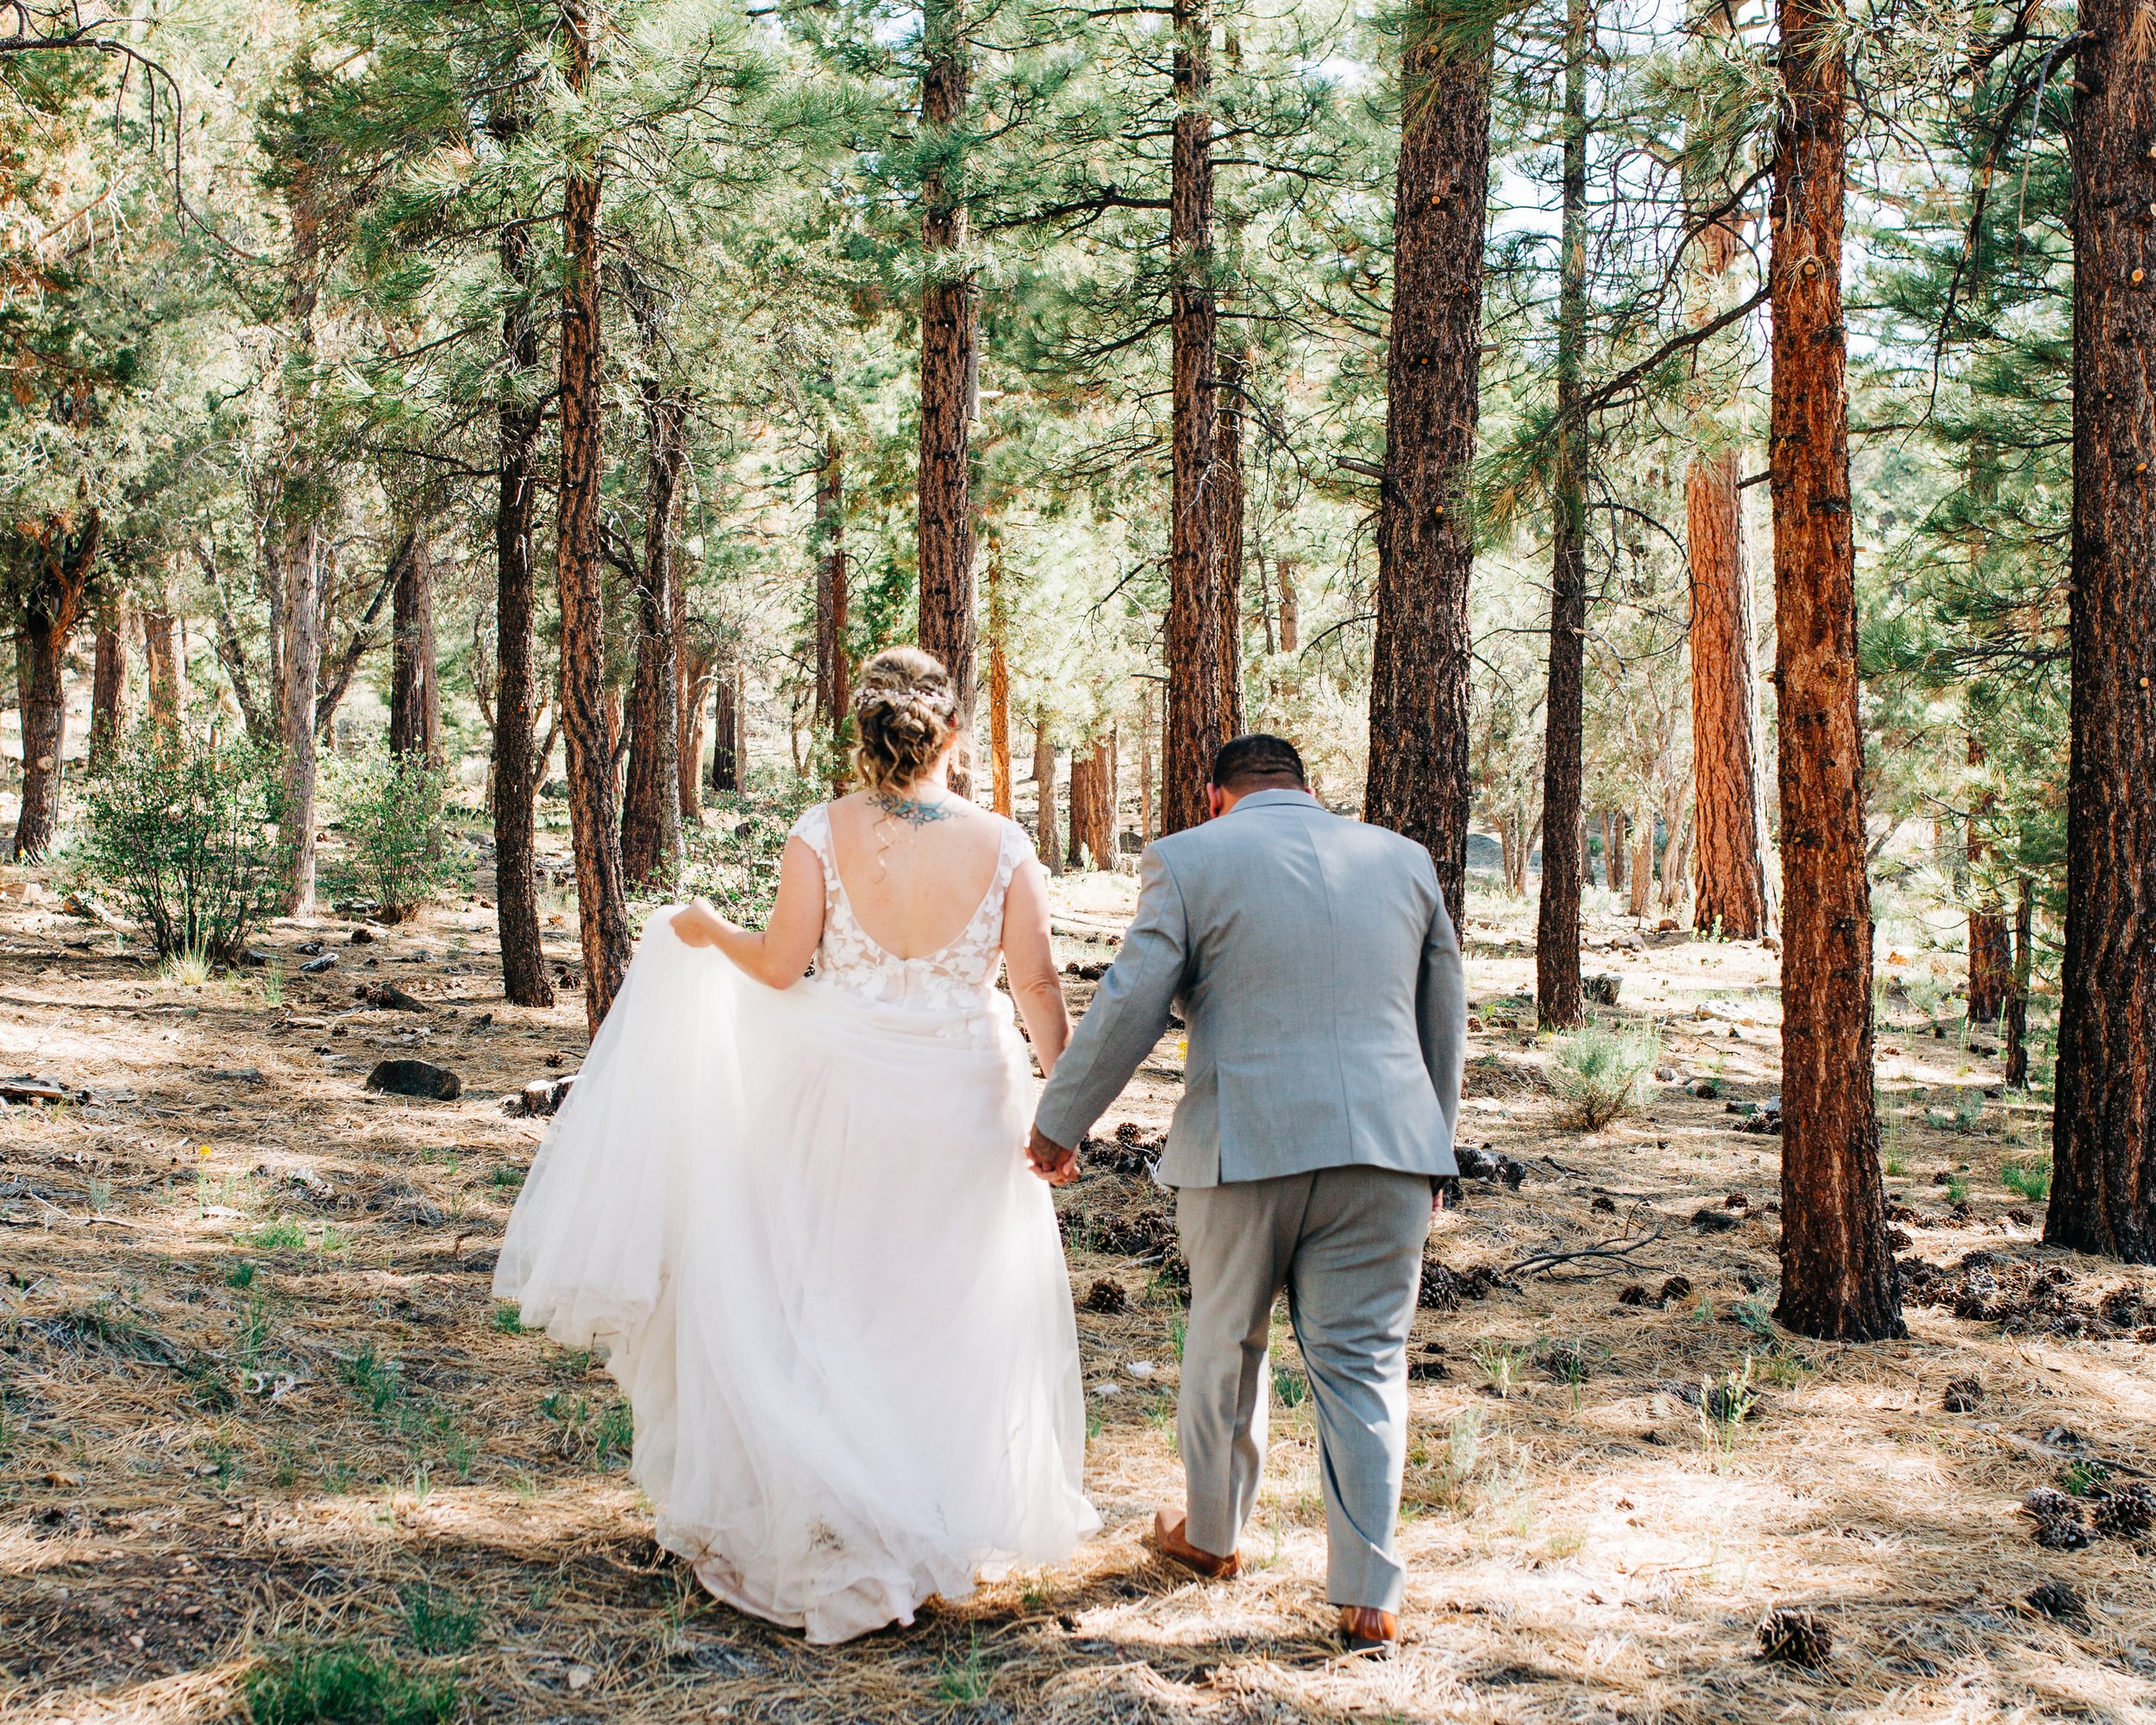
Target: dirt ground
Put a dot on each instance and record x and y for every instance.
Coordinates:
(256, 1399)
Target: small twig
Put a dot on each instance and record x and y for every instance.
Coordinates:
(1616, 1252)
(2053, 1452)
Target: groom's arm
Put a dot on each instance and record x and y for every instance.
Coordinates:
(1441, 1009)
(1128, 1014)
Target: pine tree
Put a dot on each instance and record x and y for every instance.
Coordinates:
(949, 357)
(587, 727)
(1420, 659)
(2103, 1189)
(1838, 1274)
(1563, 861)
(1734, 896)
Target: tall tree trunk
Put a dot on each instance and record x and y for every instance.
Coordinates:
(1838, 1275)
(1677, 850)
(302, 581)
(999, 683)
(2017, 1016)
(726, 742)
(65, 550)
(1290, 606)
(651, 802)
(1730, 821)
(1991, 952)
(1613, 850)
(949, 357)
(1642, 857)
(1080, 802)
(834, 666)
(602, 907)
(1419, 697)
(1093, 806)
(1111, 793)
(2103, 1131)
(1564, 848)
(109, 688)
(1145, 765)
(1044, 797)
(516, 772)
(301, 557)
(163, 669)
(699, 664)
(1204, 702)
(1228, 542)
(415, 682)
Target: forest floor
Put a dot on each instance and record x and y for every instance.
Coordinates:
(261, 1412)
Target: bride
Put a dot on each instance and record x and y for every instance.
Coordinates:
(793, 1209)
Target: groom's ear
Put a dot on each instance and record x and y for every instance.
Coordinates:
(1214, 799)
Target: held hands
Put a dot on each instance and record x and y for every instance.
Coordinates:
(696, 924)
(1051, 1161)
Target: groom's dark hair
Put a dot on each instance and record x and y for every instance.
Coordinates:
(1258, 756)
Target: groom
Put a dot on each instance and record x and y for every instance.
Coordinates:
(1315, 966)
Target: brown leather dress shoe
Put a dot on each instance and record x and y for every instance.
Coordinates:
(1365, 1629)
(1172, 1542)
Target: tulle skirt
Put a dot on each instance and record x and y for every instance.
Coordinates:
(801, 1229)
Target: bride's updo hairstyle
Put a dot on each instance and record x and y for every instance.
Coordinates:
(905, 714)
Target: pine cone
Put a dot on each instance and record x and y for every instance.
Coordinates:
(2047, 1503)
(1794, 1637)
(2059, 1600)
(2121, 1514)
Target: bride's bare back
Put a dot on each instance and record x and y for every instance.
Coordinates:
(915, 869)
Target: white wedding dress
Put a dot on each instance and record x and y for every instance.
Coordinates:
(800, 1226)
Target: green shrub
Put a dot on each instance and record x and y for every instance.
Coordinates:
(182, 828)
(344, 1684)
(389, 808)
(1601, 1075)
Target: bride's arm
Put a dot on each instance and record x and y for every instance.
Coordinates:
(777, 955)
(1032, 959)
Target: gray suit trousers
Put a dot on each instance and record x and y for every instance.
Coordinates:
(1346, 1244)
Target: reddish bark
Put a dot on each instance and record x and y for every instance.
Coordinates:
(164, 668)
(109, 688)
(699, 662)
(2015, 1021)
(1558, 1003)
(415, 697)
(651, 799)
(1045, 798)
(62, 555)
(2103, 1131)
(517, 766)
(999, 685)
(727, 753)
(834, 665)
(1838, 1274)
(1420, 707)
(1991, 949)
(602, 905)
(949, 353)
(1205, 706)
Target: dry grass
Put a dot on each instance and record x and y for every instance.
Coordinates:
(257, 1397)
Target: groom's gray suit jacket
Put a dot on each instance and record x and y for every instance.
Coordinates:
(1313, 960)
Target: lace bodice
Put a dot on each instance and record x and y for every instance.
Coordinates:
(958, 978)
